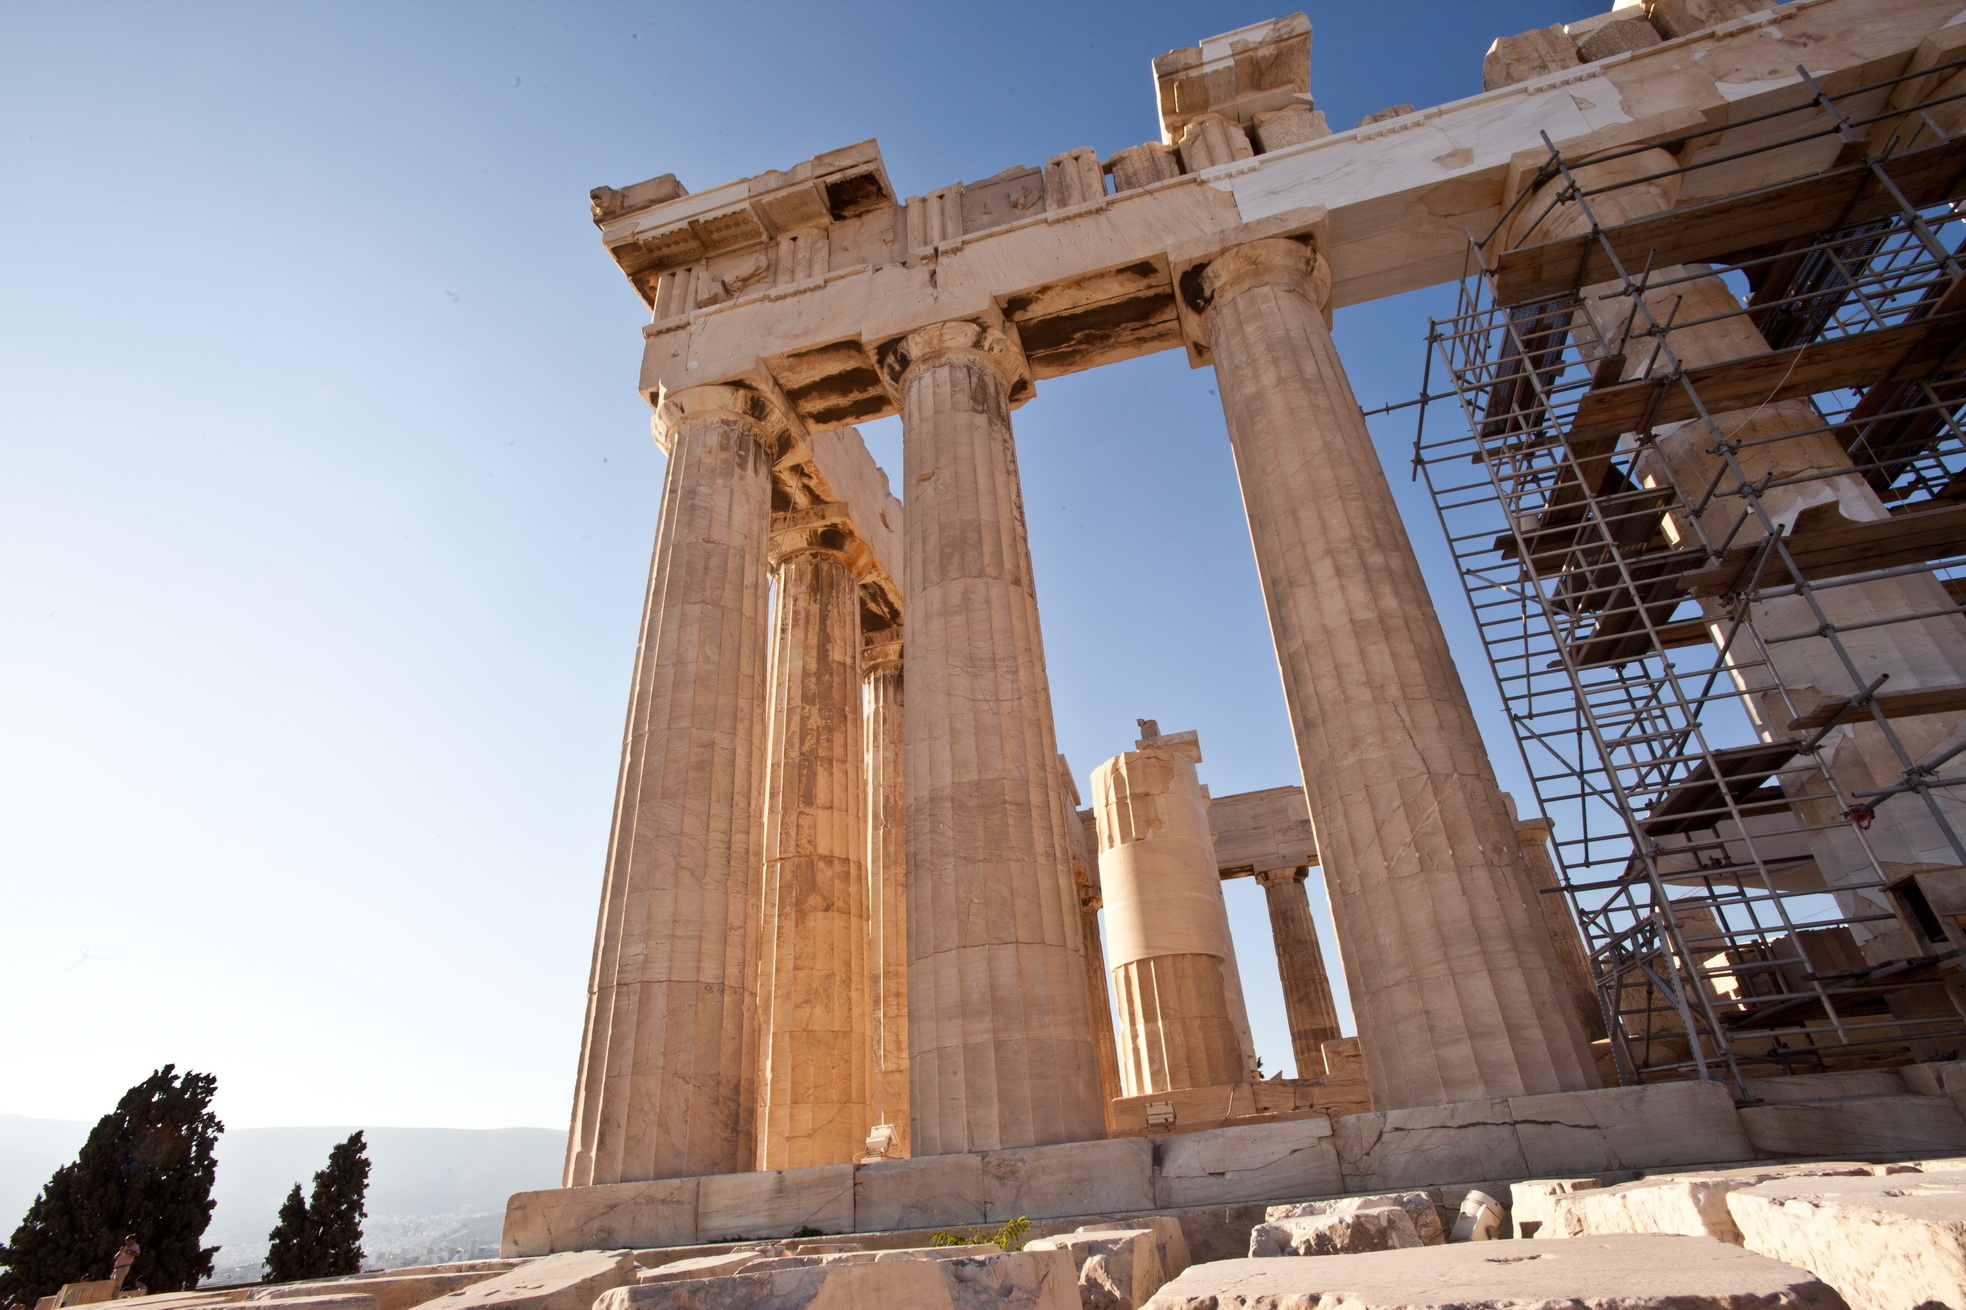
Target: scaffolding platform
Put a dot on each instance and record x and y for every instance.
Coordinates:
(1685, 540)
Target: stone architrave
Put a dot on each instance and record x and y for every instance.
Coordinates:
(1450, 976)
(665, 1083)
(1182, 1022)
(814, 999)
(1307, 1003)
(887, 849)
(1000, 1039)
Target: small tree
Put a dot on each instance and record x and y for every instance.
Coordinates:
(146, 1169)
(338, 1206)
(288, 1254)
(321, 1237)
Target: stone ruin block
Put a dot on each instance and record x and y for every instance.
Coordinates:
(1532, 54)
(776, 1203)
(1252, 1162)
(1069, 1178)
(928, 1191)
(1886, 1243)
(567, 1281)
(1337, 1232)
(604, 1217)
(918, 1279)
(1693, 1204)
(1604, 1273)
(1421, 1207)
(1119, 1268)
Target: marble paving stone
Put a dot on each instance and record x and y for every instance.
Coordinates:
(567, 1281)
(916, 1280)
(1595, 1273)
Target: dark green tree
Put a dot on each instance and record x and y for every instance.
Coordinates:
(336, 1209)
(321, 1237)
(146, 1170)
(288, 1253)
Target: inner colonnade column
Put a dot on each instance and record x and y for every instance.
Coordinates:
(666, 1060)
(881, 667)
(815, 1002)
(1451, 978)
(1001, 1041)
(1307, 1004)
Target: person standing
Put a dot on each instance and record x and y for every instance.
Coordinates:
(126, 1256)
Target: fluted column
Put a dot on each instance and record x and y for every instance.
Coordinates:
(1307, 1004)
(1000, 1041)
(1566, 941)
(887, 880)
(1452, 986)
(665, 1064)
(814, 1000)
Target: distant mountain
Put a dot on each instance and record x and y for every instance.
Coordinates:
(433, 1193)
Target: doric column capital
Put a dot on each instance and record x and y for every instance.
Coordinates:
(819, 530)
(960, 337)
(880, 650)
(1277, 877)
(1273, 261)
(774, 427)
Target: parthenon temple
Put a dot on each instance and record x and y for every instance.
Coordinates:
(871, 959)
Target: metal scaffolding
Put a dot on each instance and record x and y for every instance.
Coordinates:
(1706, 491)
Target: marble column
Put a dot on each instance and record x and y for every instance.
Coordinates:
(1182, 1021)
(1451, 983)
(1566, 940)
(887, 881)
(815, 1002)
(1000, 1038)
(1307, 1004)
(665, 1081)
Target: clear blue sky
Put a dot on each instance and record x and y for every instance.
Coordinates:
(327, 498)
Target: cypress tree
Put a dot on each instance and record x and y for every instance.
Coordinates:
(321, 1237)
(288, 1255)
(337, 1208)
(146, 1169)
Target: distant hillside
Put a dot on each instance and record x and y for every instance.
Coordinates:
(433, 1191)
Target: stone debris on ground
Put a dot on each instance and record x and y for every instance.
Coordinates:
(1480, 1219)
(1343, 1232)
(1119, 1269)
(1618, 1272)
(1422, 1207)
